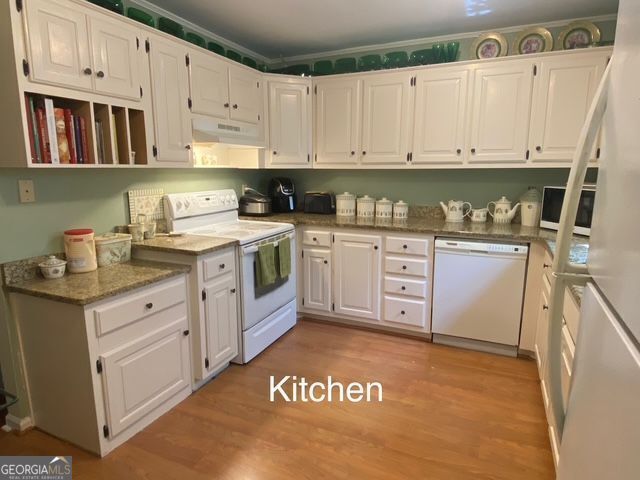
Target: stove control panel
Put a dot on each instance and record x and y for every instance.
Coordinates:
(182, 205)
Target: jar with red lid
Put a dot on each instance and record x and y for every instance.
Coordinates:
(80, 249)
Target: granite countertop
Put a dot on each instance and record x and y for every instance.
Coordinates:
(434, 224)
(86, 288)
(185, 244)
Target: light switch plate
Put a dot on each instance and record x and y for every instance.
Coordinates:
(27, 191)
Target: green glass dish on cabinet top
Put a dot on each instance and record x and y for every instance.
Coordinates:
(452, 51)
(113, 5)
(139, 16)
(172, 28)
(195, 39)
(323, 67)
(369, 62)
(395, 60)
(421, 57)
(299, 69)
(345, 65)
(235, 56)
(249, 62)
(216, 48)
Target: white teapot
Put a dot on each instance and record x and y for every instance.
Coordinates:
(454, 211)
(502, 211)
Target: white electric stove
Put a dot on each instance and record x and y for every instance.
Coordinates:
(266, 312)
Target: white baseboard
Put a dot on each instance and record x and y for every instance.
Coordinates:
(19, 424)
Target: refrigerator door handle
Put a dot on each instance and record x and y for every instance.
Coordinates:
(562, 268)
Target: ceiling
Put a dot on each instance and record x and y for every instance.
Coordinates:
(275, 28)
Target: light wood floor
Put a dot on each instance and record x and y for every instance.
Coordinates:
(447, 414)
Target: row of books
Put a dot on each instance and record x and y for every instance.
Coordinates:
(56, 135)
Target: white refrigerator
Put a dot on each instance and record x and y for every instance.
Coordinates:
(601, 433)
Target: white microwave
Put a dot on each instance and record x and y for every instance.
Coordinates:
(552, 199)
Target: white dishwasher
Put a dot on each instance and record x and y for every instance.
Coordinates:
(478, 290)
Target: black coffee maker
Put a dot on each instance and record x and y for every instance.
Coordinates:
(283, 195)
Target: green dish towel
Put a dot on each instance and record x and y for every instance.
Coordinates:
(266, 265)
(284, 254)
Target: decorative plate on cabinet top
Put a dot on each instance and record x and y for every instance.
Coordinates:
(490, 45)
(533, 40)
(580, 34)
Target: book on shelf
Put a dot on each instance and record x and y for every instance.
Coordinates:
(31, 126)
(100, 141)
(78, 137)
(64, 152)
(116, 156)
(86, 157)
(45, 146)
(71, 140)
(51, 130)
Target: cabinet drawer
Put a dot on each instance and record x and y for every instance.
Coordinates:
(408, 246)
(406, 266)
(139, 305)
(405, 311)
(547, 266)
(316, 238)
(405, 287)
(567, 352)
(218, 265)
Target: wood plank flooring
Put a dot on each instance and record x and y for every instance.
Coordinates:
(446, 414)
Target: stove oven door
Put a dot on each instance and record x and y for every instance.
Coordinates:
(258, 303)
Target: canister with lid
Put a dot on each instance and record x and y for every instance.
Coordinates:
(400, 210)
(366, 207)
(346, 205)
(80, 249)
(384, 208)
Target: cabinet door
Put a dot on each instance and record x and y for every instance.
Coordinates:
(542, 332)
(169, 80)
(59, 44)
(337, 122)
(143, 374)
(500, 113)
(562, 96)
(115, 59)
(221, 321)
(209, 85)
(357, 275)
(385, 119)
(440, 117)
(317, 279)
(289, 124)
(245, 96)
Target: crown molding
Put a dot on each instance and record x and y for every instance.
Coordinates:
(425, 40)
(203, 31)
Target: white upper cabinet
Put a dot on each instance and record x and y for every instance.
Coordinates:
(357, 275)
(170, 85)
(500, 112)
(58, 43)
(337, 122)
(386, 118)
(317, 278)
(115, 58)
(440, 116)
(289, 124)
(245, 95)
(563, 92)
(209, 85)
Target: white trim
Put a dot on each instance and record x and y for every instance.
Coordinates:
(425, 40)
(198, 29)
(19, 424)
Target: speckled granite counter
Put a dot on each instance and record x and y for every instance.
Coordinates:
(434, 224)
(186, 244)
(86, 288)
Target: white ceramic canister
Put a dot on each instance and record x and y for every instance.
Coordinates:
(346, 205)
(113, 248)
(80, 249)
(400, 210)
(384, 208)
(366, 207)
(530, 204)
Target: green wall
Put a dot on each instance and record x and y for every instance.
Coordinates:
(94, 198)
(428, 187)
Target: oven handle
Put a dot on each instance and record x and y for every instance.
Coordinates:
(254, 248)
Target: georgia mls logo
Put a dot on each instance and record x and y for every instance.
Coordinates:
(35, 468)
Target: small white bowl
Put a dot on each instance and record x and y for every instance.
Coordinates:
(53, 267)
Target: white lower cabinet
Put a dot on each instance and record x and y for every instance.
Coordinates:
(100, 373)
(349, 276)
(221, 320)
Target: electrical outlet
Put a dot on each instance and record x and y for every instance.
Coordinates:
(27, 191)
